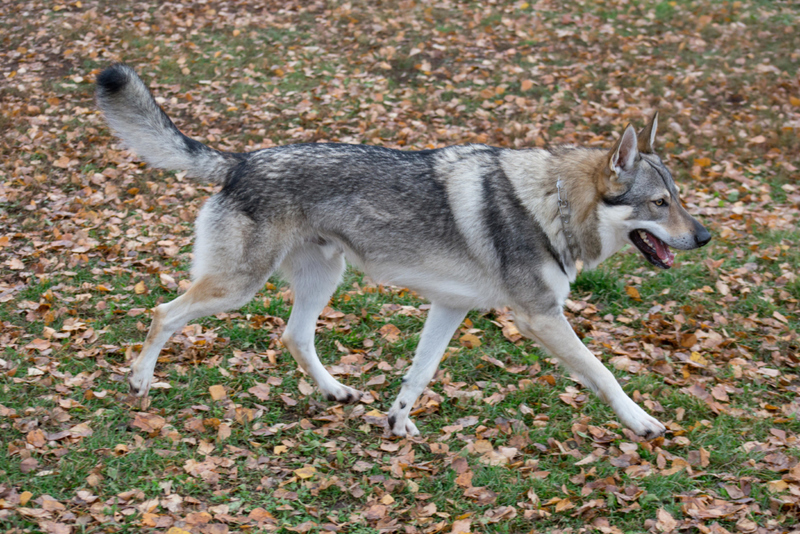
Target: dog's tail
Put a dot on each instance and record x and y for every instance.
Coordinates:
(136, 118)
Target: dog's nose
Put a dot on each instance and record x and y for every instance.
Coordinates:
(702, 236)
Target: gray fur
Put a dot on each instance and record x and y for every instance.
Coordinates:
(466, 226)
(136, 118)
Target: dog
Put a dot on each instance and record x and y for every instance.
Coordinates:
(468, 226)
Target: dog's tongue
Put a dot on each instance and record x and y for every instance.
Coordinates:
(663, 251)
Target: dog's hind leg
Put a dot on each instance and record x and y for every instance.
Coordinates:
(314, 271)
(210, 294)
(233, 258)
(439, 328)
(557, 336)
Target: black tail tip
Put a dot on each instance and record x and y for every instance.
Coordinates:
(113, 79)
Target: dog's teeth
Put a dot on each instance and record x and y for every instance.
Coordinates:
(646, 238)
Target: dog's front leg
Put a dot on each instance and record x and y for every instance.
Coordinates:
(557, 336)
(439, 328)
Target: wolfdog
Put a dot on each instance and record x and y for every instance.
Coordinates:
(470, 226)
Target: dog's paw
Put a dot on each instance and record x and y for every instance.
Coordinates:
(649, 429)
(341, 394)
(139, 384)
(402, 426)
(642, 423)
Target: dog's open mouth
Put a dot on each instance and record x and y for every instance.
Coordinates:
(656, 251)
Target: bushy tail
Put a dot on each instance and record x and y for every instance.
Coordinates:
(136, 118)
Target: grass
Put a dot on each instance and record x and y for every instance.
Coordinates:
(93, 266)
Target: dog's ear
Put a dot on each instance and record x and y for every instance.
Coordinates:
(647, 137)
(624, 154)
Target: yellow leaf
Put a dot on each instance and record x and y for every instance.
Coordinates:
(698, 358)
(387, 499)
(471, 341)
(149, 520)
(24, 497)
(217, 392)
(140, 288)
(794, 101)
(776, 486)
(280, 449)
(633, 292)
(176, 530)
(564, 504)
(305, 472)
(702, 162)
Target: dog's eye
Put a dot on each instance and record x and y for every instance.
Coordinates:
(660, 202)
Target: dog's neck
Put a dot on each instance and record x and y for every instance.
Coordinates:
(564, 213)
(577, 171)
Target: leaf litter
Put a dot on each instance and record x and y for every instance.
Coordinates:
(90, 241)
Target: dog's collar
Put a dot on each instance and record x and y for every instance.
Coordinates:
(564, 213)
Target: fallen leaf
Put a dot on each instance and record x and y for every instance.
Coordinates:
(390, 333)
(633, 292)
(305, 472)
(461, 526)
(471, 341)
(148, 422)
(664, 521)
(304, 387)
(260, 391)
(81, 430)
(217, 392)
(36, 438)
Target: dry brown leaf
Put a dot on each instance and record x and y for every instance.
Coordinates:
(217, 392)
(471, 341)
(260, 391)
(148, 422)
(390, 333)
(665, 522)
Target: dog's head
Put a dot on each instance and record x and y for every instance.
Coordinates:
(636, 177)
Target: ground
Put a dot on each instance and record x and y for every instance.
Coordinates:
(234, 438)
